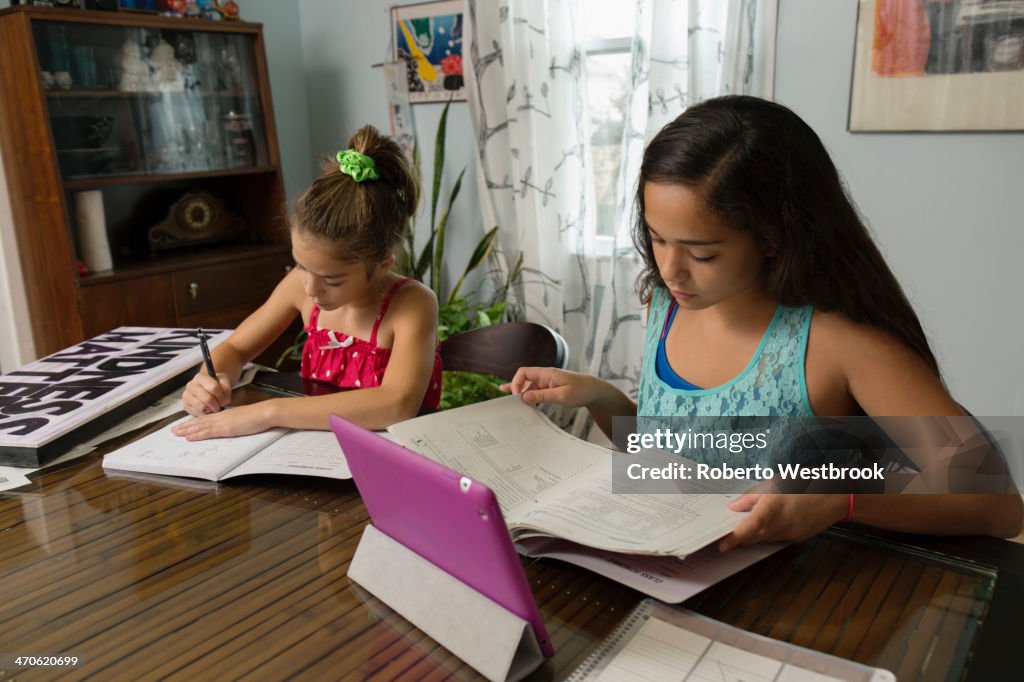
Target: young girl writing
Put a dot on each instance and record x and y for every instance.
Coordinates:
(369, 328)
(767, 297)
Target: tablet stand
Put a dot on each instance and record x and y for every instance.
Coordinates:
(487, 636)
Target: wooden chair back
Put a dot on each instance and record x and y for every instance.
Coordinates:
(501, 349)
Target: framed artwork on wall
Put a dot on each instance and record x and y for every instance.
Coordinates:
(938, 65)
(427, 37)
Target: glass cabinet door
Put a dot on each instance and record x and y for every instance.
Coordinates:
(129, 101)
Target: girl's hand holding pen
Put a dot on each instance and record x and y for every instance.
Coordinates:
(205, 394)
(209, 392)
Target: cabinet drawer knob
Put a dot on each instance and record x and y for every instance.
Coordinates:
(193, 290)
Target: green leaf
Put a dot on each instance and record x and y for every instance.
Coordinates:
(442, 231)
(496, 311)
(425, 260)
(416, 161)
(442, 129)
(466, 388)
(294, 351)
(513, 276)
(482, 250)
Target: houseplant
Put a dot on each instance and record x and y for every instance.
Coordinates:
(456, 312)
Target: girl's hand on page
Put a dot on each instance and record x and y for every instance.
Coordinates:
(790, 518)
(205, 394)
(238, 421)
(551, 385)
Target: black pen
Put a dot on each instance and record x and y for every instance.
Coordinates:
(206, 354)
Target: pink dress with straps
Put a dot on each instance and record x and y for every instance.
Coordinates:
(348, 362)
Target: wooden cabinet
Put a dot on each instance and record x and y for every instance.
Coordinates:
(216, 294)
(147, 111)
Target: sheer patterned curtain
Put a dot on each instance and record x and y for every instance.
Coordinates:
(526, 89)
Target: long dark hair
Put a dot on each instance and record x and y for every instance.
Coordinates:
(762, 170)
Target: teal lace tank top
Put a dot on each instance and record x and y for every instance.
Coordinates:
(772, 384)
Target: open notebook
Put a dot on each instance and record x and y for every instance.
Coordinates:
(278, 451)
(661, 643)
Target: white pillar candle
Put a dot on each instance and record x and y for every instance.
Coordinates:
(92, 230)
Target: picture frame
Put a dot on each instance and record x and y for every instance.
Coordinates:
(427, 37)
(938, 65)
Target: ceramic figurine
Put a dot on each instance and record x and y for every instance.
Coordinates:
(208, 9)
(230, 10)
(134, 71)
(63, 80)
(176, 8)
(167, 71)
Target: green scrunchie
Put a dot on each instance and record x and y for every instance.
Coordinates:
(357, 165)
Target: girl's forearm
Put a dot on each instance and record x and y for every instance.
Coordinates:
(996, 515)
(228, 360)
(371, 408)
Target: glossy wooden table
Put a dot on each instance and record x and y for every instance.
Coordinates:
(150, 580)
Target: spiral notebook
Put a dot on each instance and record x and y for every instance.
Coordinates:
(658, 642)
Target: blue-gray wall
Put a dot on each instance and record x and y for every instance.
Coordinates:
(283, 38)
(946, 208)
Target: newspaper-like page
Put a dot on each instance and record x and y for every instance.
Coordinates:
(551, 482)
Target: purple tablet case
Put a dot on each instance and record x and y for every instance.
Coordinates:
(447, 518)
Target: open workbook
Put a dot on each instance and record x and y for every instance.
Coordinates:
(551, 484)
(278, 451)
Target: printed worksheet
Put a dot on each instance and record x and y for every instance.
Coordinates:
(506, 445)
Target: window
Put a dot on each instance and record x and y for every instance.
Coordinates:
(608, 32)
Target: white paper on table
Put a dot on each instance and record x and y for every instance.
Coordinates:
(301, 453)
(13, 477)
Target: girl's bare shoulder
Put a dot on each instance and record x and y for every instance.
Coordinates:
(839, 338)
(417, 296)
(412, 311)
(881, 374)
(292, 293)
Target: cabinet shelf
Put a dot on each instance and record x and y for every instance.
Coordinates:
(96, 182)
(188, 258)
(107, 93)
